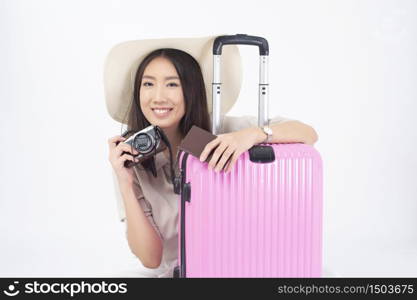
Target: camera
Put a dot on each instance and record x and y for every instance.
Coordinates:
(147, 142)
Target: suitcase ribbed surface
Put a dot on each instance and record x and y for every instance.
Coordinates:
(260, 220)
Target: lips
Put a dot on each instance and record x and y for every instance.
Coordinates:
(162, 111)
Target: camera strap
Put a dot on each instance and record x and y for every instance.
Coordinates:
(166, 141)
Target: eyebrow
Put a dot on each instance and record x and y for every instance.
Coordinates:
(166, 78)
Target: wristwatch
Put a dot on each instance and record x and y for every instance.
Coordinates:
(268, 131)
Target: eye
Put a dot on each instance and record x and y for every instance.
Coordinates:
(173, 84)
(147, 83)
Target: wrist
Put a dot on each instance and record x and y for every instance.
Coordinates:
(259, 135)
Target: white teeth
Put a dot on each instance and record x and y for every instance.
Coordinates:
(162, 112)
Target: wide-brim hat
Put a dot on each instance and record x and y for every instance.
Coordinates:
(123, 60)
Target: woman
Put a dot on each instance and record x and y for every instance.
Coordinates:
(169, 92)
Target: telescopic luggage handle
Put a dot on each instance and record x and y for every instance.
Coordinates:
(241, 39)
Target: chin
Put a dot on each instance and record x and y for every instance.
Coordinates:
(162, 123)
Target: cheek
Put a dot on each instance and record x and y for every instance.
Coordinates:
(181, 108)
(145, 108)
(144, 102)
(180, 103)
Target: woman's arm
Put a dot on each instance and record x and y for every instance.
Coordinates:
(232, 145)
(288, 132)
(144, 241)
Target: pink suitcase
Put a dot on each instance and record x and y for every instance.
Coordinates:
(263, 219)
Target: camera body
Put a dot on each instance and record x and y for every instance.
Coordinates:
(147, 142)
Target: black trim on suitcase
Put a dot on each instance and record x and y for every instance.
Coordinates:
(182, 272)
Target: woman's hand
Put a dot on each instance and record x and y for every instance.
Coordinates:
(230, 145)
(117, 160)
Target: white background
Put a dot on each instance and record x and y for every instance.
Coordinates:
(347, 68)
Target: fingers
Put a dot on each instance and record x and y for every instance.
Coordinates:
(123, 147)
(232, 162)
(113, 140)
(216, 155)
(117, 147)
(209, 147)
(125, 157)
(225, 157)
(223, 152)
(117, 154)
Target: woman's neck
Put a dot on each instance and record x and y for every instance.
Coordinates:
(175, 137)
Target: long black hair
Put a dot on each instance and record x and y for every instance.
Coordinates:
(193, 88)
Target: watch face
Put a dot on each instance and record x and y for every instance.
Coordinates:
(268, 130)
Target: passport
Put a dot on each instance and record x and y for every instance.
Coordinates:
(196, 140)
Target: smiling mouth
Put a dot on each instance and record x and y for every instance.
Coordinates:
(162, 112)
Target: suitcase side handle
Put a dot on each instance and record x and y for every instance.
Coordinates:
(240, 39)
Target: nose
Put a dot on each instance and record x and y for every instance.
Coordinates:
(159, 96)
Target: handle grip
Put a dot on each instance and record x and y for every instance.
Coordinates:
(240, 39)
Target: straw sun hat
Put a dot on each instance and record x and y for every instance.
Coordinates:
(124, 58)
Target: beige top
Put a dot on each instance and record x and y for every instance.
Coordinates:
(159, 202)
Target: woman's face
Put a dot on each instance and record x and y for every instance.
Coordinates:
(161, 96)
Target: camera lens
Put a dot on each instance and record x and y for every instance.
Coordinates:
(143, 143)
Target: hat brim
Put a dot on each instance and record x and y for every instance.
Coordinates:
(123, 60)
